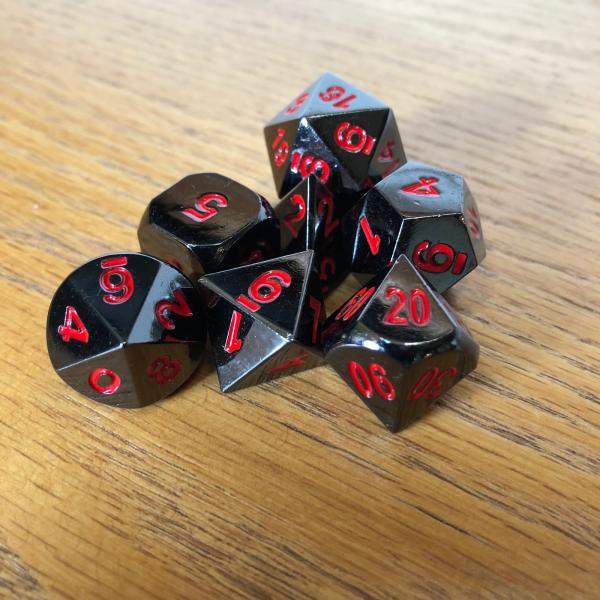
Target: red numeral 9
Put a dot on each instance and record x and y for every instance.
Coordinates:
(355, 304)
(282, 149)
(265, 289)
(353, 138)
(427, 259)
(429, 385)
(201, 211)
(333, 93)
(295, 217)
(376, 378)
(418, 307)
(124, 286)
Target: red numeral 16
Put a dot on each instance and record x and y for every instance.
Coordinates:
(353, 138)
(307, 164)
(282, 149)
(426, 258)
(265, 289)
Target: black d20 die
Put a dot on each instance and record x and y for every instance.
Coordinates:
(310, 219)
(399, 345)
(264, 320)
(424, 212)
(346, 138)
(208, 222)
(125, 330)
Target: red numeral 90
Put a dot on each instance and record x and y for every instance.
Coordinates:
(429, 385)
(353, 138)
(119, 291)
(264, 289)
(427, 258)
(376, 378)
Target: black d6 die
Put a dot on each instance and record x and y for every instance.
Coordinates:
(310, 219)
(346, 138)
(399, 345)
(264, 320)
(125, 330)
(424, 212)
(208, 222)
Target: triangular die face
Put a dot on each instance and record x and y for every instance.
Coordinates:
(281, 141)
(352, 138)
(405, 309)
(389, 153)
(331, 95)
(270, 291)
(297, 107)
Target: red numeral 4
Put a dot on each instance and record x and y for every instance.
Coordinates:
(424, 187)
(66, 330)
(353, 138)
(418, 307)
(265, 289)
(375, 380)
(201, 211)
(315, 306)
(115, 268)
(429, 385)
(428, 258)
(232, 343)
(297, 103)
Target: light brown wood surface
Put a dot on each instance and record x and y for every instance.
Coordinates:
(294, 489)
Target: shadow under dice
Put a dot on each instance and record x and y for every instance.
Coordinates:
(424, 212)
(264, 319)
(346, 138)
(208, 222)
(398, 345)
(125, 330)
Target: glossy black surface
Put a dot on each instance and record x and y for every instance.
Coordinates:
(419, 357)
(136, 312)
(416, 209)
(281, 336)
(332, 121)
(207, 222)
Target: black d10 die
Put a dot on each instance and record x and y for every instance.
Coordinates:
(399, 345)
(125, 330)
(208, 222)
(310, 219)
(424, 212)
(264, 320)
(346, 138)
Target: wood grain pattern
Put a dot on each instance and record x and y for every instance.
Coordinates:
(293, 489)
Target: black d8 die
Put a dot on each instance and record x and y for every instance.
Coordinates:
(208, 222)
(125, 330)
(399, 345)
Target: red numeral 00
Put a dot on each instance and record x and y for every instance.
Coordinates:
(265, 289)
(124, 286)
(376, 378)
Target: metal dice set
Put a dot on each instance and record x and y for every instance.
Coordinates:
(128, 329)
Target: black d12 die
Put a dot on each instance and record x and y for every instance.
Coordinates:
(264, 320)
(424, 212)
(399, 345)
(311, 219)
(208, 222)
(346, 138)
(125, 330)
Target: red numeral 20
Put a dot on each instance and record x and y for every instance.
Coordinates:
(265, 289)
(427, 259)
(375, 378)
(115, 268)
(335, 92)
(429, 385)
(353, 138)
(418, 307)
(201, 211)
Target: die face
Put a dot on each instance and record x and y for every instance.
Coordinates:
(115, 314)
(333, 131)
(210, 217)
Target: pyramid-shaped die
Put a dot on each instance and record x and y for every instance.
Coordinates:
(264, 319)
(399, 345)
(340, 134)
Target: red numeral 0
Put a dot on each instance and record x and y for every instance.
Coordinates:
(353, 138)
(201, 211)
(116, 267)
(418, 307)
(425, 258)
(107, 390)
(265, 289)
(376, 378)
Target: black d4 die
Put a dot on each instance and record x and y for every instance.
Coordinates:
(264, 319)
(427, 213)
(398, 345)
(208, 222)
(346, 138)
(125, 329)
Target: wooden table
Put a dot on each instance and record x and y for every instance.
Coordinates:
(294, 489)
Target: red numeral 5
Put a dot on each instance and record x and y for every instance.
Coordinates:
(376, 378)
(353, 138)
(297, 103)
(418, 307)
(124, 286)
(265, 289)
(201, 211)
(427, 259)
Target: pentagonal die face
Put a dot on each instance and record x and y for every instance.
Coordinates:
(398, 345)
(125, 329)
(343, 136)
(208, 222)
(424, 212)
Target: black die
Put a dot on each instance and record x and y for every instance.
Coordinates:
(208, 222)
(264, 320)
(346, 138)
(399, 345)
(125, 330)
(427, 213)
